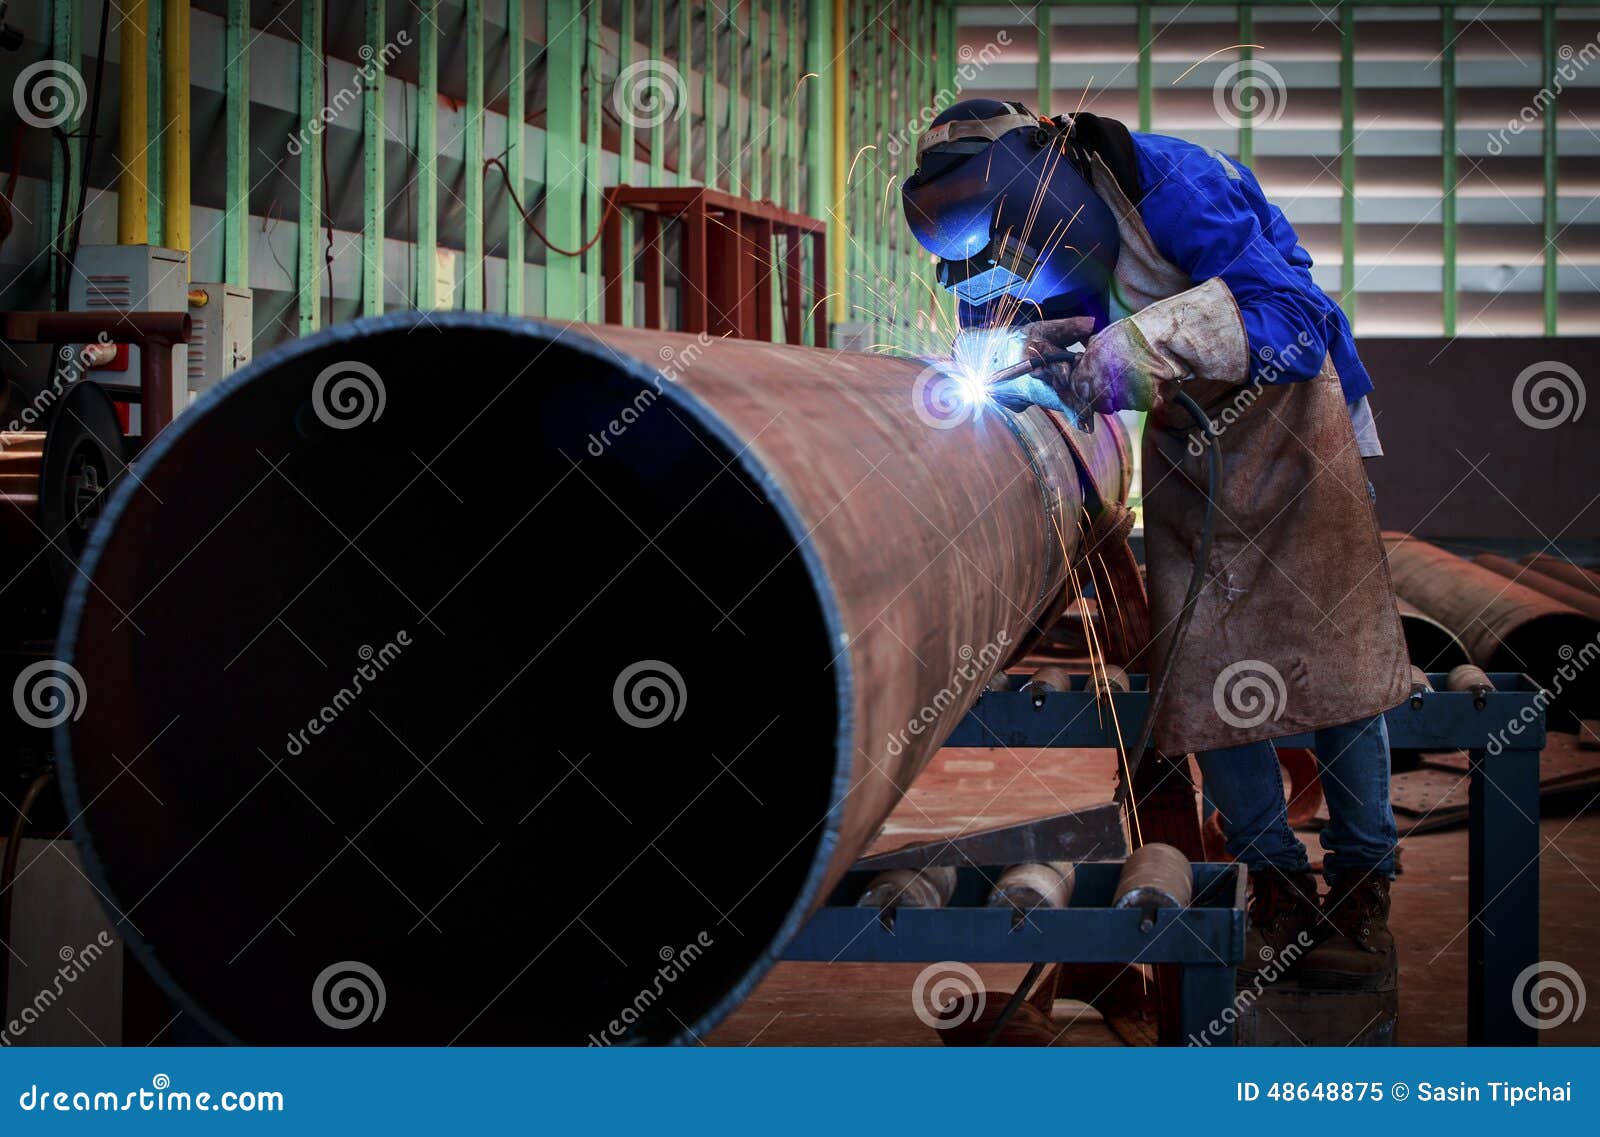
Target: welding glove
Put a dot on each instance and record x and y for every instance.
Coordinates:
(1196, 334)
(1046, 386)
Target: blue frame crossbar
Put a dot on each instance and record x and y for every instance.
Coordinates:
(1504, 737)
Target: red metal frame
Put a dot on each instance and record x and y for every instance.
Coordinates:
(729, 263)
(154, 332)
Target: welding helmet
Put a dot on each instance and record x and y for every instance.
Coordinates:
(1003, 199)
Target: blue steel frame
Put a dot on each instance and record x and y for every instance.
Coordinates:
(1503, 847)
(1088, 930)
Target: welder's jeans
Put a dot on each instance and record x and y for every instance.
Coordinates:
(1245, 784)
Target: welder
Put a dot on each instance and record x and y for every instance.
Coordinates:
(1136, 267)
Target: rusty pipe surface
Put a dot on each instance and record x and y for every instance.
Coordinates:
(1583, 600)
(1564, 571)
(1505, 625)
(524, 665)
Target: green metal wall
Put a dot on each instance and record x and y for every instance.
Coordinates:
(343, 151)
(1382, 127)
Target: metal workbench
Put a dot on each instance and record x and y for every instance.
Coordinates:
(1501, 922)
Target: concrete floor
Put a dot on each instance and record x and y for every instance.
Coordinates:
(846, 1004)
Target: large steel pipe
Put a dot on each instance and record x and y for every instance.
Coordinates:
(1573, 596)
(1564, 570)
(1431, 645)
(1505, 625)
(548, 676)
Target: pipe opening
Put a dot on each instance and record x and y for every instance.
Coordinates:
(518, 694)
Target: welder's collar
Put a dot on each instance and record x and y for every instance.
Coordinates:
(985, 130)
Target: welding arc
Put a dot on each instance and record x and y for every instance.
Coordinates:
(1202, 559)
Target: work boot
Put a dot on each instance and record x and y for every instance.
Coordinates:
(1283, 920)
(1359, 955)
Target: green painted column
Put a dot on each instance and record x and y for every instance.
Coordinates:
(563, 155)
(819, 173)
(708, 111)
(758, 91)
(736, 148)
(1144, 70)
(1547, 43)
(236, 117)
(1347, 159)
(819, 113)
(66, 37)
(627, 137)
(658, 132)
(1447, 164)
(686, 70)
(372, 142)
(309, 262)
(516, 156)
(1247, 133)
(791, 96)
(427, 153)
(1042, 76)
(472, 162)
(594, 93)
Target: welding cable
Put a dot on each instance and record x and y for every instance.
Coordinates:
(527, 217)
(8, 872)
(1197, 577)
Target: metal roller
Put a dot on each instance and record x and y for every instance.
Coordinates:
(584, 537)
(1047, 680)
(1153, 877)
(1046, 884)
(1469, 679)
(1420, 685)
(1108, 681)
(931, 887)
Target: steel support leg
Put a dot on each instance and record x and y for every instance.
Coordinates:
(1502, 893)
(1207, 994)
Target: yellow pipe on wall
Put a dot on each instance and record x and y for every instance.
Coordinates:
(840, 235)
(175, 139)
(133, 196)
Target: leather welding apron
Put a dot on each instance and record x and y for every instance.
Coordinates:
(1296, 627)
